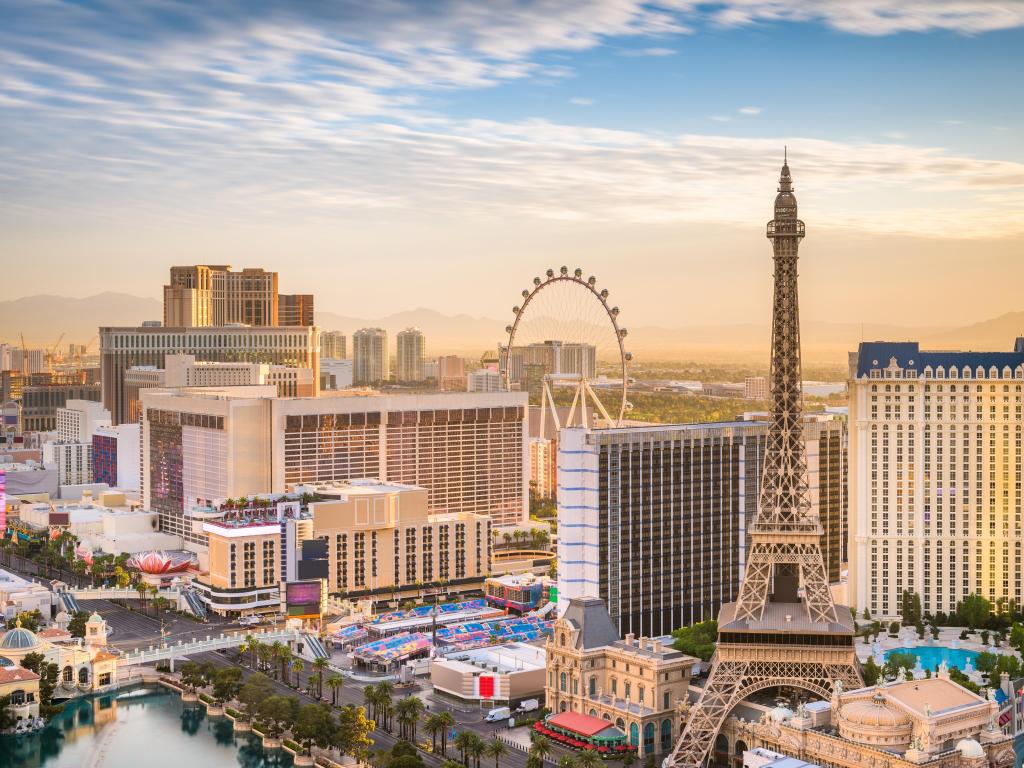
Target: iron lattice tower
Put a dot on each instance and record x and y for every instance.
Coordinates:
(774, 635)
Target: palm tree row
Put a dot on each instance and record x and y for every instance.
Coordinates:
(439, 723)
(380, 701)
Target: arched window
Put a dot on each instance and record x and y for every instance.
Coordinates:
(666, 735)
(627, 691)
(17, 697)
(620, 724)
(83, 676)
(561, 681)
(593, 686)
(561, 640)
(561, 707)
(634, 734)
(575, 686)
(640, 690)
(615, 686)
(606, 716)
(649, 738)
(741, 747)
(593, 713)
(68, 676)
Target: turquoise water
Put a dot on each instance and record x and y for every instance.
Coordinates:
(148, 727)
(932, 656)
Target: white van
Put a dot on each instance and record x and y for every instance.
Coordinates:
(528, 705)
(498, 713)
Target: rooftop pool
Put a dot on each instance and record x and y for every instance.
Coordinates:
(932, 656)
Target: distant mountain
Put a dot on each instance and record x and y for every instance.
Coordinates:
(43, 318)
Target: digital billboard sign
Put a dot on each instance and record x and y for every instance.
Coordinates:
(302, 599)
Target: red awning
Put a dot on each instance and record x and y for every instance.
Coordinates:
(585, 725)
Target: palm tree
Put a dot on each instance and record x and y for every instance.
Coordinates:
(541, 747)
(275, 654)
(264, 653)
(143, 589)
(434, 727)
(298, 667)
(447, 722)
(385, 699)
(477, 749)
(628, 758)
(409, 712)
(319, 667)
(496, 748)
(286, 664)
(252, 645)
(567, 761)
(451, 764)
(371, 699)
(462, 741)
(334, 682)
(588, 758)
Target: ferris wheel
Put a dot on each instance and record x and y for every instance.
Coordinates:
(566, 338)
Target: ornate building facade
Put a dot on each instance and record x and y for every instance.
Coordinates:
(637, 684)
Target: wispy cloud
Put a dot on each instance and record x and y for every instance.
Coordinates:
(579, 101)
(750, 110)
(655, 52)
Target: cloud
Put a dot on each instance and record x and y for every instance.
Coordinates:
(231, 111)
(579, 101)
(655, 52)
(749, 110)
(875, 17)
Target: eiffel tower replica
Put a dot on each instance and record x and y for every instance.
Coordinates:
(783, 629)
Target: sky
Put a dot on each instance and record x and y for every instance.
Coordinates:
(407, 153)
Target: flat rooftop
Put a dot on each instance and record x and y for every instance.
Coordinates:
(774, 619)
(511, 657)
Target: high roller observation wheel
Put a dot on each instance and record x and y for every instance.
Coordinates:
(589, 284)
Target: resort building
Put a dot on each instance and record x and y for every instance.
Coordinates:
(411, 348)
(930, 722)
(244, 566)
(451, 374)
(295, 309)
(370, 356)
(124, 348)
(21, 686)
(199, 445)
(653, 519)
(115, 456)
(520, 592)
(83, 669)
(333, 346)
(382, 538)
(637, 684)
(935, 476)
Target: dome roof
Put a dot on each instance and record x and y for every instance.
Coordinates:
(781, 714)
(95, 617)
(63, 616)
(970, 749)
(19, 639)
(874, 713)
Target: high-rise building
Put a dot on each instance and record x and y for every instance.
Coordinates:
(411, 348)
(41, 400)
(371, 362)
(124, 348)
(295, 309)
(484, 380)
(333, 345)
(554, 357)
(935, 476)
(213, 295)
(451, 374)
(199, 445)
(115, 456)
(383, 538)
(543, 467)
(689, 491)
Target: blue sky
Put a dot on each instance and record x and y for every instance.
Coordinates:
(468, 141)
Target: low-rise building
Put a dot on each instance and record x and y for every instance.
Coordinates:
(484, 380)
(638, 684)
(519, 592)
(244, 566)
(498, 673)
(383, 540)
(22, 686)
(18, 595)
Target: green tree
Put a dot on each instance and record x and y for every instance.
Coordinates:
(192, 676)
(385, 703)
(47, 672)
(314, 725)
(697, 640)
(253, 693)
(462, 741)
(897, 662)
(77, 624)
(298, 667)
(974, 611)
(30, 620)
(588, 758)
(434, 727)
(227, 683)
(408, 712)
(477, 749)
(541, 747)
(447, 721)
(567, 761)
(871, 672)
(960, 678)
(278, 714)
(7, 717)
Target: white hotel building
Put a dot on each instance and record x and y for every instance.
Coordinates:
(935, 476)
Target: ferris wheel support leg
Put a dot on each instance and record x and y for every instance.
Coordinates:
(572, 408)
(597, 402)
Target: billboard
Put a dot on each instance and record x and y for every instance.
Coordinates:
(302, 599)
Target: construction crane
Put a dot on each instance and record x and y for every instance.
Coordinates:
(84, 349)
(53, 352)
(24, 359)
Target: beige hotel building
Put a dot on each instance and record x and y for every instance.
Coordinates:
(202, 444)
(935, 476)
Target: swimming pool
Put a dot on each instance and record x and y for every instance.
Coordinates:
(932, 656)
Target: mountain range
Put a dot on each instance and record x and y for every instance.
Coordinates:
(43, 318)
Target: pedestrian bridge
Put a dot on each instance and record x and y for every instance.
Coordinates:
(172, 651)
(185, 599)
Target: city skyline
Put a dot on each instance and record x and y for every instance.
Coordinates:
(475, 146)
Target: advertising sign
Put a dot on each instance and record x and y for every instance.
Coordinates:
(302, 599)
